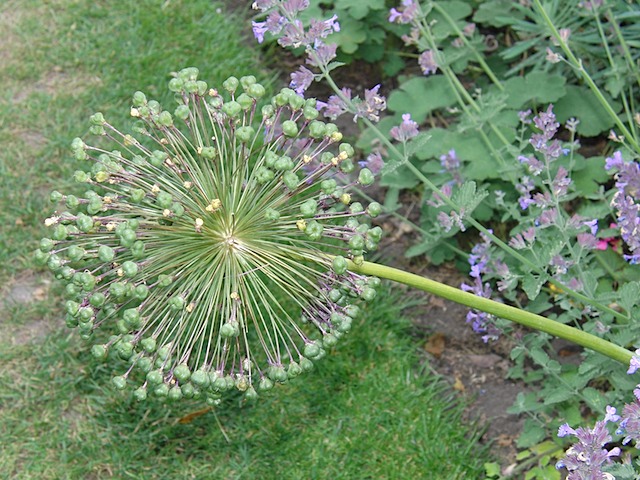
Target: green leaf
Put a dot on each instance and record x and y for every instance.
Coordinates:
(358, 9)
(588, 174)
(456, 10)
(421, 96)
(468, 198)
(629, 295)
(581, 103)
(352, 33)
(557, 395)
(532, 433)
(496, 13)
(594, 399)
(532, 284)
(539, 87)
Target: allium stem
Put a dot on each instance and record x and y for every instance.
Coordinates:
(507, 312)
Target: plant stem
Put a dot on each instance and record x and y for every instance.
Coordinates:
(507, 312)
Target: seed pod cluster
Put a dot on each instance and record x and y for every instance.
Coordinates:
(209, 251)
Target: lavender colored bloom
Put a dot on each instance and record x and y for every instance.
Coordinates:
(293, 35)
(626, 204)
(406, 130)
(323, 54)
(534, 165)
(525, 187)
(524, 116)
(373, 104)
(321, 29)
(587, 241)
(259, 29)
(427, 62)
(301, 79)
(448, 221)
(374, 162)
(335, 106)
(585, 459)
(263, 5)
(630, 424)
(293, 7)
(634, 365)
(407, 14)
(560, 183)
(481, 322)
(543, 142)
(547, 218)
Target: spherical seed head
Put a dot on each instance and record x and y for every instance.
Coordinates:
(209, 232)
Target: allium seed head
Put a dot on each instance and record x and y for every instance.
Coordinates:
(208, 253)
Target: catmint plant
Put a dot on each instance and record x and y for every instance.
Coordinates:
(196, 258)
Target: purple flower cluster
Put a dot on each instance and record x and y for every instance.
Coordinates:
(630, 424)
(282, 21)
(427, 62)
(369, 108)
(406, 130)
(408, 12)
(585, 459)
(625, 201)
(451, 164)
(482, 322)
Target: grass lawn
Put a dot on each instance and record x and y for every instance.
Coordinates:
(367, 411)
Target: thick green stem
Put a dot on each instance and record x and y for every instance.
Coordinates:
(507, 312)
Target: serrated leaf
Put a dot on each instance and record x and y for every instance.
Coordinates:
(419, 249)
(532, 433)
(352, 33)
(456, 10)
(581, 103)
(539, 356)
(532, 284)
(588, 174)
(629, 295)
(594, 399)
(557, 395)
(468, 198)
(400, 177)
(421, 96)
(539, 87)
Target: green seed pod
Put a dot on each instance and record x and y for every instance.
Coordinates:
(328, 186)
(141, 292)
(314, 230)
(188, 390)
(365, 177)
(41, 258)
(268, 111)
(208, 152)
(310, 113)
(232, 109)
(97, 119)
(356, 242)
(158, 157)
(164, 280)
(155, 377)
(131, 317)
(347, 166)
(334, 294)
(265, 384)
(84, 223)
(148, 344)
(105, 253)
(75, 253)
(175, 393)
(374, 209)
(164, 200)
(182, 112)
(46, 245)
(54, 263)
(130, 269)
(311, 350)
(291, 180)
(99, 352)
(95, 205)
(345, 325)
(200, 378)
(81, 177)
(247, 80)
(176, 303)
(330, 129)
(72, 308)
(296, 102)
(271, 215)
(352, 311)
(229, 330)
(127, 237)
(309, 208)
(317, 129)
(278, 374)
(245, 101)
(245, 134)
(305, 364)
(293, 370)
(137, 249)
(55, 197)
(231, 84)
(182, 373)
(356, 207)
(161, 390)
(250, 394)
(140, 394)
(176, 84)
(164, 352)
(329, 340)
(256, 91)
(124, 349)
(283, 164)
(139, 99)
(145, 364)
(339, 265)
(289, 128)
(97, 299)
(137, 195)
(264, 175)
(118, 290)
(368, 294)
(120, 382)
(61, 232)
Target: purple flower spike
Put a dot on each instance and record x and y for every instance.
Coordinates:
(427, 62)
(407, 129)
